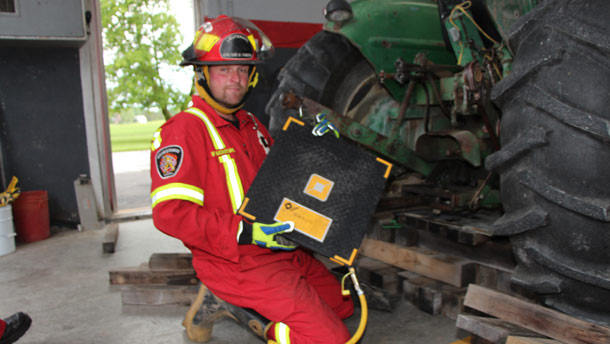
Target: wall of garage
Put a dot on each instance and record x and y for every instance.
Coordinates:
(42, 132)
(48, 127)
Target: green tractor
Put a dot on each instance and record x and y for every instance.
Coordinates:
(495, 113)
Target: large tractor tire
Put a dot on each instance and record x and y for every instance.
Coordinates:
(554, 163)
(329, 70)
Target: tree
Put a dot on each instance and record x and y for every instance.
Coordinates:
(140, 38)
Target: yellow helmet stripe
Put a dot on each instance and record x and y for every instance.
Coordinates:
(206, 42)
(253, 42)
(177, 191)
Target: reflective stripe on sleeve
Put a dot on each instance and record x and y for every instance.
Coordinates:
(177, 191)
(156, 140)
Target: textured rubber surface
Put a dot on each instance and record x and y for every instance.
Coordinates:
(358, 177)
(555, 155)
(315, 72)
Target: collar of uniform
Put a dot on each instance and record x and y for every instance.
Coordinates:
(218, 121)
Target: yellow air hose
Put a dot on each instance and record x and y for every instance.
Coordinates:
(364, 311)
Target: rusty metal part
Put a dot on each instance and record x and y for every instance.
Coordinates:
(488, 126)
(442, 199)
(476, 199)
(473, 79)
(438, 97)
(403, 107)
(457, 143)
(422, 66)
(289, 100)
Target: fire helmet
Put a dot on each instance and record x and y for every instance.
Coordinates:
(221, 41)
(228, 40)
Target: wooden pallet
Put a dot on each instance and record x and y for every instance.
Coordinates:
(167, 278)
(448, 269)
(518, 321)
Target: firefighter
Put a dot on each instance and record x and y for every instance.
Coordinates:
(13, 327)
(202, 162)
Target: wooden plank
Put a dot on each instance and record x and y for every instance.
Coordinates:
(462, 230)
(530, 340)
(431, 296)
(170, 261)
(166, 295)
(132, 214)
(491, 329)
(376, 298)
(379, 274)
(452, 301)
(111, 236)
(537, 318)
(143, 275)
(451, 270)
(462, 341)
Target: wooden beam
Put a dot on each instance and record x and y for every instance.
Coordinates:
(143, 275)
(111, 236)
(462, 341)
(534, 317)
(451, 270)
(492, 329)
(166, 295)
(132, 214)
(378, 274)
(530, 340)
(431, 296)
(170, 261)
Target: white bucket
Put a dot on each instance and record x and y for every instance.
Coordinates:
(7, 230)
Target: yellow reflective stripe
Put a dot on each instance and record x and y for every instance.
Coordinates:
(177, 191)
(216, 140)
(282, 333)
(156, 140)
(234, 186)
(236, 190)
(253, 42)
(206, 42)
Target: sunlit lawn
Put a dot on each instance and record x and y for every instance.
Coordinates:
(132, 136)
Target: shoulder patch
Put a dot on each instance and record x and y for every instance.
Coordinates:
(168, 161)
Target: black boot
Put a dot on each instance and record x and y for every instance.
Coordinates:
(16, 325)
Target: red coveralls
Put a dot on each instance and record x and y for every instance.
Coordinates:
(196, 191)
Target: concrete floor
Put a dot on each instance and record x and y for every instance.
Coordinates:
(132, 179)
(62, 282)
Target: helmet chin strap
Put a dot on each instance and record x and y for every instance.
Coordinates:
(203, 89)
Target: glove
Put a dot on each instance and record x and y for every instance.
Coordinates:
(264, 235)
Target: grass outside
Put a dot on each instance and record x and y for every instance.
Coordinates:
(132, 136)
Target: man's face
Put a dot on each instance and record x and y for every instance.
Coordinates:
(229, 83)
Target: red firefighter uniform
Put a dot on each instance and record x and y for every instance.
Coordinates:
(201, 168)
